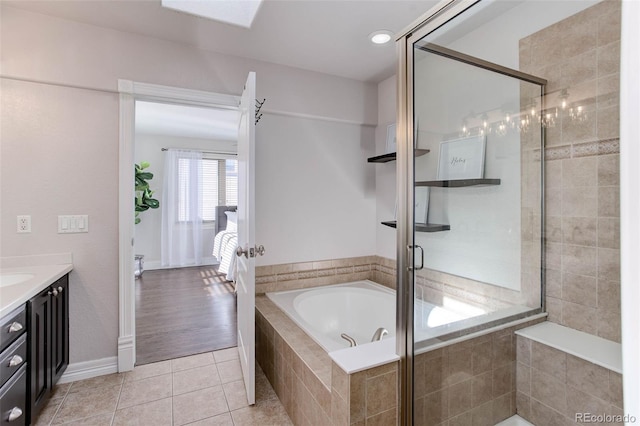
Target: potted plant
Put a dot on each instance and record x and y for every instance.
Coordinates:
(143, 201)
(144, 195)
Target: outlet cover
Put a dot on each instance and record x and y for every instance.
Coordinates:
(24, 224)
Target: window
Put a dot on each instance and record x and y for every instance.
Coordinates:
(219, 186)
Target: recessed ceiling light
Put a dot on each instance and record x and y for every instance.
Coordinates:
(235, 12)
(381, 36)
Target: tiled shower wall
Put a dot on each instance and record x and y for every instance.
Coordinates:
(582, 55)
(468, 383)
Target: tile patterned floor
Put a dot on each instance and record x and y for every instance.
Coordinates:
(204, 389)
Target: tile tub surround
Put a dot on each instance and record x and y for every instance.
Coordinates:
(552, 386)
(291, 276)
(431, 286)
(312, 388)
(582, 180)
(471, 382)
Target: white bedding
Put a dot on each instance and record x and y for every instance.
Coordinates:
(224, 249)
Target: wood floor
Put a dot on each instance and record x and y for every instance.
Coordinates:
(182, 312)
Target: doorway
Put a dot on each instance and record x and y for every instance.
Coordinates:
(186, 170)
(130, 92)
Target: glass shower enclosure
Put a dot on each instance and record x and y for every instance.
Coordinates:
(471, 133)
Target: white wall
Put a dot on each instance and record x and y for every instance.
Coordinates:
(630, 203)
(385, 172)
(315, 191)
(59, 153)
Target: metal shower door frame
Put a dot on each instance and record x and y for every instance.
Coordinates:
(438, 16)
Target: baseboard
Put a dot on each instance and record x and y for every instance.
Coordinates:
(152, 265)
(88, 369)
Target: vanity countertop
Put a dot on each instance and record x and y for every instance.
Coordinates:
(13, 296)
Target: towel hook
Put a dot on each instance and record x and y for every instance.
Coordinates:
(259, 104)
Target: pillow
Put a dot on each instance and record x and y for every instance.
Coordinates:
(232, 221)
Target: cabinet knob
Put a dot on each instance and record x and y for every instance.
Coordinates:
(14, 414)
(15, 360)
(14, 327)
(55, 291)
(60, 289)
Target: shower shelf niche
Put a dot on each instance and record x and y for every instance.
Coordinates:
(385, 158)
(458, 183)
(422, 227)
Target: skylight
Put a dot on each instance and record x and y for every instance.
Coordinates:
(233, 12)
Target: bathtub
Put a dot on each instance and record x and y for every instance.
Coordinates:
(358, 309)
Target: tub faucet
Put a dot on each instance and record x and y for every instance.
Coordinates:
(351, 340)
(379, 334)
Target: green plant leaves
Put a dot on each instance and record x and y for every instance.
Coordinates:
(143, 198)
(144, 176)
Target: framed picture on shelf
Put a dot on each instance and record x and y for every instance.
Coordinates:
(421, 207)
(462, 158)
(391, 139)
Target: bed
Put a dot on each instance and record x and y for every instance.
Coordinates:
(226, 241)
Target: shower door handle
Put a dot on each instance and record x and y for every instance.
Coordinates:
(411, 251)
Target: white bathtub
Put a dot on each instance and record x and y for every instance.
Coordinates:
(359, 309)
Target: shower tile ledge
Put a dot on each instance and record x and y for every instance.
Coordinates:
(594, 349)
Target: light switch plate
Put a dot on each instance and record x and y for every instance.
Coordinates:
(73, 224)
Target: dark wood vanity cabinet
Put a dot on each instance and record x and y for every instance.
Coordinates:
(60, 330)
(13, 368)
(48, 336)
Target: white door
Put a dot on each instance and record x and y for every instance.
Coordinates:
(246, 237)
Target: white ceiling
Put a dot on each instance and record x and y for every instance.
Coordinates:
(328, 36)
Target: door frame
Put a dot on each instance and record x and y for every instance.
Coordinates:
(130, 92)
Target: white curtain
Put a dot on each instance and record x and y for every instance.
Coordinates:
(182, 209)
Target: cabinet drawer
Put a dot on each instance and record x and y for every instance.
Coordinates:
(12, 326)
(12, 358)
(13, 399)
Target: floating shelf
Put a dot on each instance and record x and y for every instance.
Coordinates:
(458, 183)
(422, 227)
(385, 158)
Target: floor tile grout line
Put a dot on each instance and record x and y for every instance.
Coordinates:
(115, 409)
(64, 398)
(113, 413)
(172, 420)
